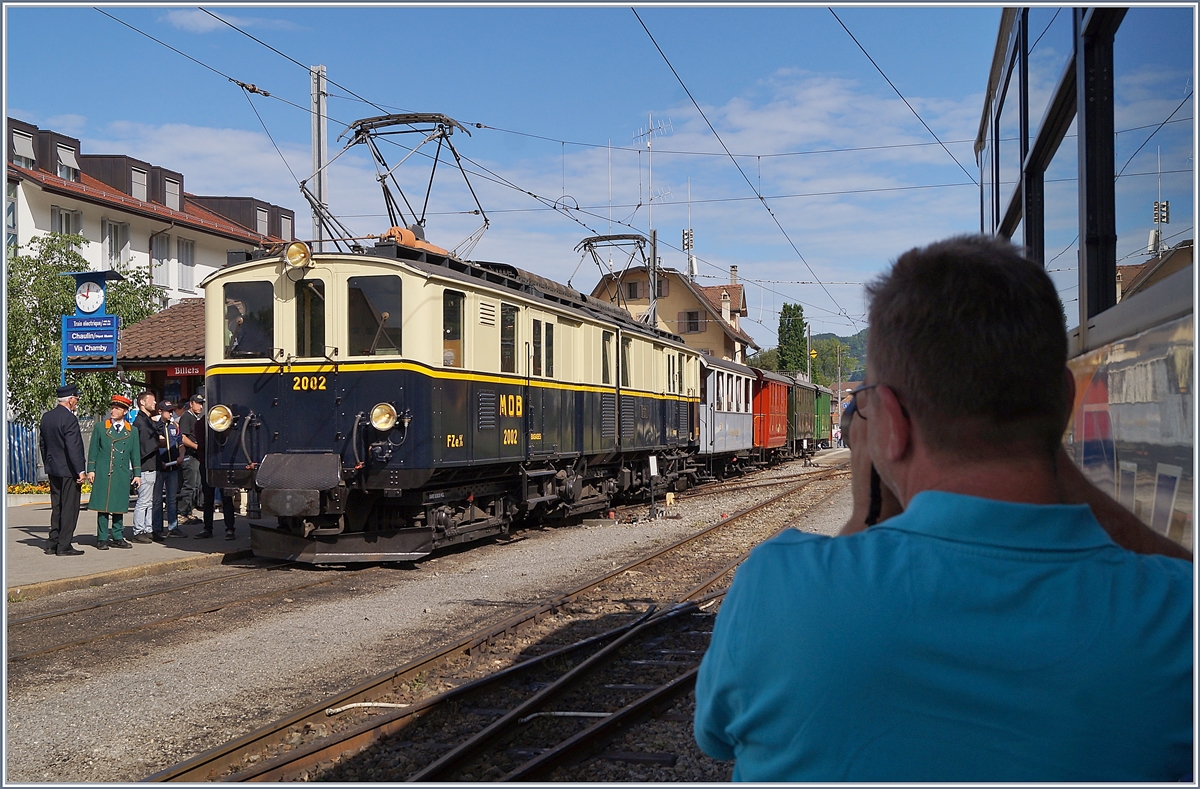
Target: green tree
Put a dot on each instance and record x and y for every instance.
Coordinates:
(765, 360)
(38, 296)
(793, 347)
(825, 366)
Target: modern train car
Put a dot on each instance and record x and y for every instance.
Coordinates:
(1079, 161)
(386, 403)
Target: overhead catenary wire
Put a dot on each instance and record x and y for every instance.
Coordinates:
(901, 95)
(711, 128)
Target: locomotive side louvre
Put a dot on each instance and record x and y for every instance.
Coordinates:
(496, 396)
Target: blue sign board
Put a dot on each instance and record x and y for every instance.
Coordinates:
(89, 337)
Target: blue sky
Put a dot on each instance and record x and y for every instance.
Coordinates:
(772, 81)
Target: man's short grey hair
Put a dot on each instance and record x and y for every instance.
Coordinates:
(971, 336)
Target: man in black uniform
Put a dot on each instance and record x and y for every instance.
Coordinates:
(189, 493)
(63, 457)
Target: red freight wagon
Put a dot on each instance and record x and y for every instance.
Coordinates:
(770, 410)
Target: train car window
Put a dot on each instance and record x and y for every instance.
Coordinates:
(373, 315)
(310, 317)
(747, 400)
(508, 338)
(626, 344)
(720, 391)
(452, 326)
(679, 375)
(249, 319)
(537, 347)
(549, 350)
(670, 373)
(605, 353)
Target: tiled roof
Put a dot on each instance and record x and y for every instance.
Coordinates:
(737, 296)
(175, 334)
(95, 191)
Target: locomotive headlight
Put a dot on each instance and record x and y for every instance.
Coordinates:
(220, 418)
(297, 254)
(383, 417)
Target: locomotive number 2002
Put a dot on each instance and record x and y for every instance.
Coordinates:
(308, 383)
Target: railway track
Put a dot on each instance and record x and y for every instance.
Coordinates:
(557, 636)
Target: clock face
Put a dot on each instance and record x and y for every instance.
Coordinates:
(89, 296)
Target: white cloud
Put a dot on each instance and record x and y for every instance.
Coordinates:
(200, 22)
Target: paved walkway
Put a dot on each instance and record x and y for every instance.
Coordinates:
(29, 572)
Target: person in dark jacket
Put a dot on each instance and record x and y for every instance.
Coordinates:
(62, 455)
(112, 462)
(149, 427)
(208, 493)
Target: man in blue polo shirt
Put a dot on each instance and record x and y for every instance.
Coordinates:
(993, 630)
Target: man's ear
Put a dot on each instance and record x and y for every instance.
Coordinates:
(896, 423)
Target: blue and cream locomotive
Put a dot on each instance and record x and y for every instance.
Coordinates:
(385, 404)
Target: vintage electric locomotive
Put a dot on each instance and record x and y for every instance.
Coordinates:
(386, 403)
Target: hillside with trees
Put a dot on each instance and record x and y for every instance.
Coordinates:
(792, 353)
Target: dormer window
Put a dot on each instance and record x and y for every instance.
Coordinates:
(262, 221)
(68, 165)
(23, 155)
(172, 194)
(137, 181)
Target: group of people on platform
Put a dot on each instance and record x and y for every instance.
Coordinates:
(155, 449)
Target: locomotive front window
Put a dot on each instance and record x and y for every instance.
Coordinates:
(249, 320)
(452, 328)
(310, 318)
(508, 338)
(373, 315)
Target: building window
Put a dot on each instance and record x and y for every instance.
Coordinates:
(160, 258)
(262, 221)
(285, 228)
(452, 328)
(10, 218)
(660, 288)
(172, 194)
(373, 310)
(310, 318)
(137, 180)
(249, 319)
(508, 338)
(116, 243)
(68, 165)
(632, 290)
(65, 221)
(187, 263)
(692, 322)
(23, 150)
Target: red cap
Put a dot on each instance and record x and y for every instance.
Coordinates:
(122, 401)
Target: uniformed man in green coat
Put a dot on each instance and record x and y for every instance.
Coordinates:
(114, 457)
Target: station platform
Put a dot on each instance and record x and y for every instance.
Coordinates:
(31, 573)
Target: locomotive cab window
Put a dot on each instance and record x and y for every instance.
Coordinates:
(452, 328)
(249, 320)
(508, 338)
(373, 315)
(310, 318)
